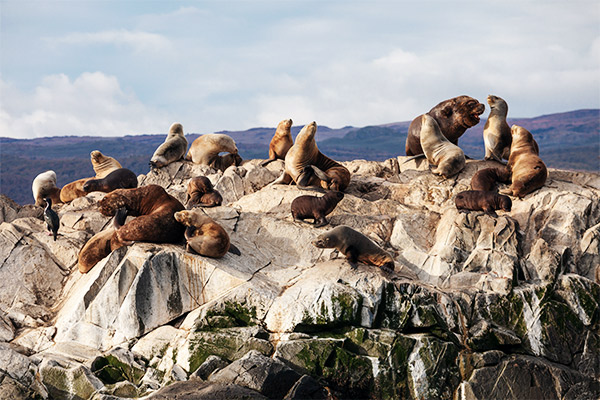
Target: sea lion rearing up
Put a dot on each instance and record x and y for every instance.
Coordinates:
(307, 166)
(44, 185)
(528, 171)
(486, 179)
(281, 142)
(201, 193)
(478, 200)
(103, 165)
(121, 178)
(204, 236)
(496, 132)
(173, 148)
(454, 116)
(315, 207)
(355, 246)
(154, 209)
(206, 148)
(448, 157)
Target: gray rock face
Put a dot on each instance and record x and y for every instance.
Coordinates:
(473, 301)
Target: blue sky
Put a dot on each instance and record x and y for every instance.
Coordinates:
(113, 68)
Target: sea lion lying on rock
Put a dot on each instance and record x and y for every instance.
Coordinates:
(204, 236)
(121, 178)
(201, 193)
(478, 200)
(154, 209)
(315, 207)
(206, 148)
(172, 149)
(486, 179)
(44, 185)
(356, 247)
(103, 166)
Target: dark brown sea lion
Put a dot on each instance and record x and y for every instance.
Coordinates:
(204, 236)
(315, 207)
(121, 178)
(496, 132)
(527, 170)
(44, 185)
(454, 116)
(172, 149)
(281, 142)
(154, 209)
(477, 200)
(448, 158)
(356, 247)
(201, 193)
(486, 179)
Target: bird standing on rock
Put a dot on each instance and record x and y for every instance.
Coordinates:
(51, 218)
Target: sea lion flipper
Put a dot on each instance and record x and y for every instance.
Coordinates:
(320, 174)
(284, 179)
(233, 249)
(265, 163)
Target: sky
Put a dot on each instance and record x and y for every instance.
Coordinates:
(115, 68)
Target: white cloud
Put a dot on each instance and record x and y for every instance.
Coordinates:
(137, 40)
(92, 104)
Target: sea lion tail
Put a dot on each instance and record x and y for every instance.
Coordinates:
(233, 249)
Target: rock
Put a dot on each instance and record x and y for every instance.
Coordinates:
(20, 373)
(75, 382)
(196, 389)
(307, 388)
(211, 364)
(7, 331)
(117, 365)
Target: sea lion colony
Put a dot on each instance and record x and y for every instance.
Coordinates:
(161, 218)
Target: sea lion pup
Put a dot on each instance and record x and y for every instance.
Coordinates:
(103, 165)
(201, 193)
(44, 185)
(281, 142)
(307, 166)
(355, 246)
(477, 200)
(206, 148)
(173, 148)
(486, 179)
(528, 171)
(98, 246)
(204, 236)
(315, 207)
(226, 161)
(448, 157)
(454, 116)
(154, 209)
(496, 132)
(121, 178)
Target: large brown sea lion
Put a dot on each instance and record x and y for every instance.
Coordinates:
(496, 132)
(154, 209)
(121, 178)
(355, 246)
(315, 207)
(281, 142)
(204, 236)
(201, 193)
(206, 148)
(307, 166)
(527, 170)
(448, 157)
(44, 185)
(478, 200)
(454, 116)
(487, 179)
(172, 149)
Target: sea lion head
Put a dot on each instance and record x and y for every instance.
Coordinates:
(112, 202)
(463, 111)
(183, 217)
(307, 133)
(336, 195)
(505, 203)
(497, 103)
(176, 130)
(520, 134)
(323, 241)
(97, 157)
(284, 126)
(90, 185)
(335, 184)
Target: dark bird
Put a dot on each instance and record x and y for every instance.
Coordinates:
(51, 218)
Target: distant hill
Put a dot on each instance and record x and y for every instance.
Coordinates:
(568, 140)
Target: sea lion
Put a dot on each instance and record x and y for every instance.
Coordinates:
(121, 178)
(201, 193)
(496, 132)
(528, 171)
(307, 166)
(103, 165)
(281, 142)
(172, 149)
(454, 116)
(448, 157)
(51, 218)
(98, 246)
(355, 246)
(44, 185)
(206, 148)
(226, 161)
(204, 236)
(315, 207)
(73, 190)
(154, 209)
(478, 200)
(487, 178)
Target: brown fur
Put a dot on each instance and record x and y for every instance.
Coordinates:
(204, 236)
(200, 192)
(103, 165)
(73, 190)
(528, 171)
(121, 178)
(154, 209)
(454, 116)
(226, 161)
(98, 247)
(355, 246)
(496, 132)
(486, 179)
(448, 158)
(315, 207)
(282, 141)
(477, 200)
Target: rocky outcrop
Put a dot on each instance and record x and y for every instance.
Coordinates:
(478, 307)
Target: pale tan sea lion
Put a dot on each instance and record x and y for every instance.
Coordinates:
(206, 148)
(44, 185)
(281, 142)
(496, 132)
(448, 157)
(103, 165)
(73, 190)
(173, 148)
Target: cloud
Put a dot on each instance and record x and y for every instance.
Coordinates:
(139, 41)
(92, 104)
